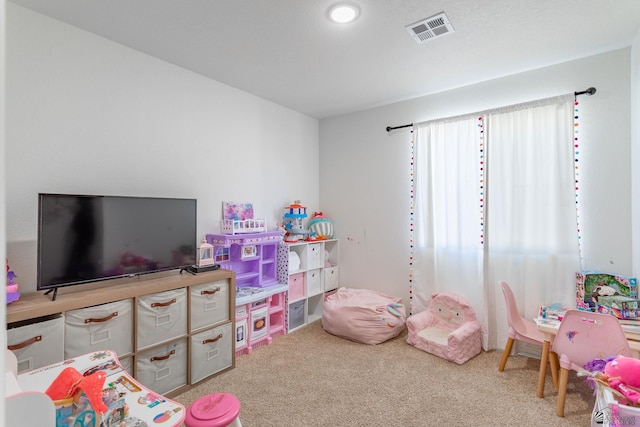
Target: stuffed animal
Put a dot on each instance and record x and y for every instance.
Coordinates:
(603, 290)
(623, 375)
(625, 369)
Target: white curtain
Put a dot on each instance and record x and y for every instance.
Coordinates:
(495, 200)
(447, 212)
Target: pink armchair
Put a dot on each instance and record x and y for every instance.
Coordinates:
(448, 328)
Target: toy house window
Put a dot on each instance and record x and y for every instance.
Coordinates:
(222, 255)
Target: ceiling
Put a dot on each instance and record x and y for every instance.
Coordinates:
(288, 52)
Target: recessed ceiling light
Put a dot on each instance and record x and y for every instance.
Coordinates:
(343, 13)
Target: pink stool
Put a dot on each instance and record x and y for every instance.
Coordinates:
(214, 410)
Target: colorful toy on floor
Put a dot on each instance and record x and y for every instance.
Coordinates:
(448, 328)
(12, 287)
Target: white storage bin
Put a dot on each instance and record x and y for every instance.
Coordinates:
(161, 317)
(296, 314)
(211, 352)
(331, 278)
(102, 327)
(37, 344)
(603, 410)
(315, 256)
(209, 304)
(127, 363)
(163, 368)
(314, 282)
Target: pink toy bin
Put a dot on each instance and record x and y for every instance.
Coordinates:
(214, 410)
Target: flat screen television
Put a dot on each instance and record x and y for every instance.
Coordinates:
(84, 238)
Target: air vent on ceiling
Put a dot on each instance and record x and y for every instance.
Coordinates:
(430, 28)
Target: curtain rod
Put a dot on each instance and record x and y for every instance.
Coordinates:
(589, 92)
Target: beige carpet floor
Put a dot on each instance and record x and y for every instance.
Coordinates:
(311, 378)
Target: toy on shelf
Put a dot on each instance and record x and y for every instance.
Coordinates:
(238, 218)
(293, 218)
(12, 286)
(321, 226)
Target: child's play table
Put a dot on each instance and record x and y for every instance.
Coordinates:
(132, 404)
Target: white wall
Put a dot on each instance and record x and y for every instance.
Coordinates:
(635, 152)
(364, 171)
(3, 330)
(89, 116)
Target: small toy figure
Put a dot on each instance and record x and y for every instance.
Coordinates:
(603, 290)
(12, 286)
(293, 217)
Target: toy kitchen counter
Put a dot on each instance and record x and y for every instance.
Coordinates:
(260, 316)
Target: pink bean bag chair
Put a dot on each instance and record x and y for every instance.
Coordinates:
(362, 315)
(448, 328)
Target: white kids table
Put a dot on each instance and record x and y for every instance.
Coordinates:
(144, 407)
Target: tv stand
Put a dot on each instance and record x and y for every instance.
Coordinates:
(195, 336)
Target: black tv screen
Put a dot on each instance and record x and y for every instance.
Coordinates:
(83, 238)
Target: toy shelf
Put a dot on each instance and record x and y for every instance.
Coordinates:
(310, 268)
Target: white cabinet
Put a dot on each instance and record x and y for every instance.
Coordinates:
(172, 330)
(310, 269)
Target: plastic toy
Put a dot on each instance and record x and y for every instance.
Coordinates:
(622, 374)
(12, 286)
(293, 217)
(238, 218)
(70, 380)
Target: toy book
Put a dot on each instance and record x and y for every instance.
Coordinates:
(596, 291)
